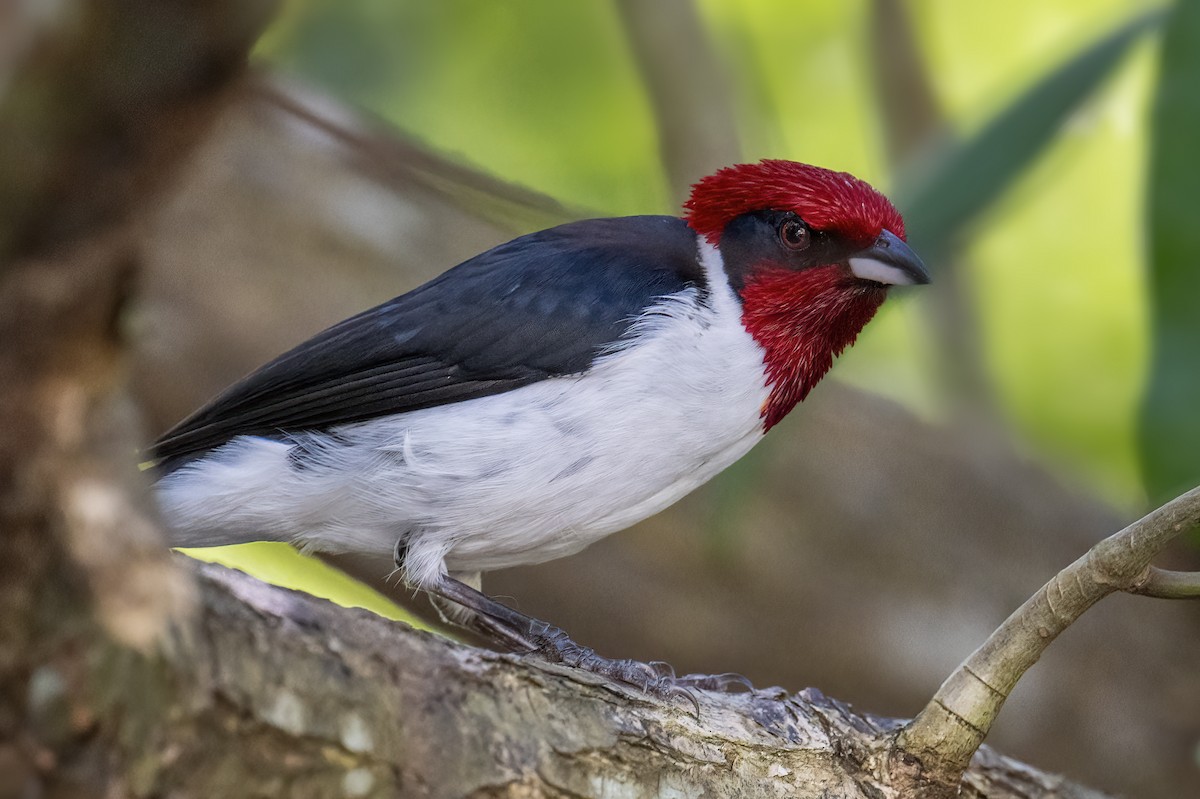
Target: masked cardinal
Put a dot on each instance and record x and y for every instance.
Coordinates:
(545, 393)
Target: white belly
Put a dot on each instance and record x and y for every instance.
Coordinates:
(516, 478)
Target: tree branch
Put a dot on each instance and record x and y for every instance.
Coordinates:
(1166, 584)
(947, 732)
(397, 160)
(335, 697)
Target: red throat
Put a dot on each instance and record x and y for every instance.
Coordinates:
(803, 320)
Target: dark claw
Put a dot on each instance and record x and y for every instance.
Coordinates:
(673, 689)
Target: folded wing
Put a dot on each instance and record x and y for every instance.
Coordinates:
(540, 306)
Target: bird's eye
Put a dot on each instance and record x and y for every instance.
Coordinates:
(794, 234)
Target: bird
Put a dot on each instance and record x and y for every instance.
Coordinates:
(544, 394)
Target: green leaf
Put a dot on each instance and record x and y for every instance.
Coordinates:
(949, 191)
(282, 565)
(1169, 436)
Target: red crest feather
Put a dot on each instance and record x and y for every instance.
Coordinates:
(824, 199)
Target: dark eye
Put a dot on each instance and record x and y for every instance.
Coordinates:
(794, 234)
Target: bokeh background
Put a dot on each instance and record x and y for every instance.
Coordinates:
(981, 435)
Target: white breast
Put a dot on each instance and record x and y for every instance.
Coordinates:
(516, 478)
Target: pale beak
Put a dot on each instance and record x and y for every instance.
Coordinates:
(889, 261)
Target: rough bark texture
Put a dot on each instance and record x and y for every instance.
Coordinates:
(273, 693)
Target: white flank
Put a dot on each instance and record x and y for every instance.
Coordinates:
(516, 478)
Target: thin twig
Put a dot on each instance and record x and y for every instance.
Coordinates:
(396, 158)
(946, 734)
(1166, 584)
(913, 123)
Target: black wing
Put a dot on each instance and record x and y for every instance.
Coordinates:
(541, 305)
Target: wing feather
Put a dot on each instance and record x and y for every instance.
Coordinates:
(540, 306)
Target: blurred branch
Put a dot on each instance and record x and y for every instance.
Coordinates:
(948, 731)
(688, 89)
(913, 122)
(397, 160)
(106, 96)
(98, 112)
(912, 115)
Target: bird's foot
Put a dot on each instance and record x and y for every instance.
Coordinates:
(556, 646)
(528, 636)
(656, 678)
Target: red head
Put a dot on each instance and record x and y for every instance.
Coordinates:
(810, 252)
(826, 200)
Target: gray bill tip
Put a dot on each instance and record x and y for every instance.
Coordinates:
(889, 261)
